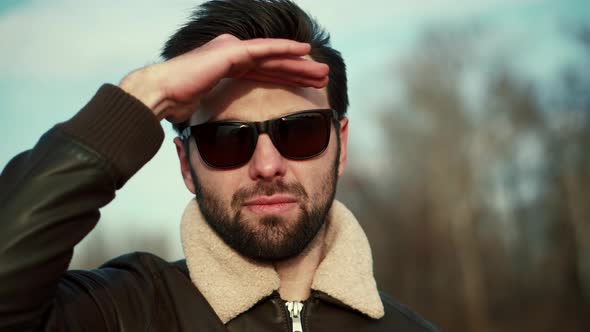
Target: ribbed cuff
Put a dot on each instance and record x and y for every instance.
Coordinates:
(119, 127)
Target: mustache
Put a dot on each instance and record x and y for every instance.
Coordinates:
(268, 189)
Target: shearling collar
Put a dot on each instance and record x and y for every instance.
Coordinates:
(232, 283)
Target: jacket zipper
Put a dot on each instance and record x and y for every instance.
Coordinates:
(295, 310)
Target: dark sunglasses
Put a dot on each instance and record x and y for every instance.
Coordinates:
(227, 144)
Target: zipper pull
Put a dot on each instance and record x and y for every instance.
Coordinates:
(295, 309)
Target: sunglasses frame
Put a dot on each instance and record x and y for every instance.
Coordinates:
(263, 127)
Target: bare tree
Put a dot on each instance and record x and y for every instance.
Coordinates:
(481, 222)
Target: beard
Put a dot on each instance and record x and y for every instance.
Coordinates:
(269, 238)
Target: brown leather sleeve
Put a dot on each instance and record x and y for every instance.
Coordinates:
(50, 198)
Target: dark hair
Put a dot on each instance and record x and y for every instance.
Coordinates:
(249, 19)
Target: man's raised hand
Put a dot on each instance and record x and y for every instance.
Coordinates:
(172, 89)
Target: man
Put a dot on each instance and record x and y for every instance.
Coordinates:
(259, 99)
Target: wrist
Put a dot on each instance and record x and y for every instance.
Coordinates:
(144, 85)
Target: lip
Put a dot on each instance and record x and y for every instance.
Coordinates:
(269, 200)
(274, 204)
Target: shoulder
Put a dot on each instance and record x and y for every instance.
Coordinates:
(121, 293)
(400, 313)
(146, 263)
(136, 267)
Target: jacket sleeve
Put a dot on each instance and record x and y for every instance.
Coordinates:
(50, 198)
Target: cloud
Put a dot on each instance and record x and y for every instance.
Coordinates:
(56, 40)
(346, 16)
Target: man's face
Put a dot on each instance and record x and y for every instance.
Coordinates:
(271, 207)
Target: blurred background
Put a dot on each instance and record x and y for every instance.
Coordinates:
(468, 165)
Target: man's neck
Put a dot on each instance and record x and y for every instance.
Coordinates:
(297, 273)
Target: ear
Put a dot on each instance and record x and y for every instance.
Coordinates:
(184, 165)
(343, 145)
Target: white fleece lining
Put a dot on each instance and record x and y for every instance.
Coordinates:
(232, 283)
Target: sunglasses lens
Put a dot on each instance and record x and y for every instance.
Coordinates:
(224, 145)
(304, 135)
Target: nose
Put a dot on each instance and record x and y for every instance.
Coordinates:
(267, 162)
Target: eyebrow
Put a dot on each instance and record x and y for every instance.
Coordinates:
(233, 119)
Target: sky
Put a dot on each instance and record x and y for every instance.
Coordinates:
(54, 56)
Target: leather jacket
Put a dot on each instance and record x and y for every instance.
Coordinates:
(50, 198)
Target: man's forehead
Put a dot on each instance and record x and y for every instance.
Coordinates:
(234, 99)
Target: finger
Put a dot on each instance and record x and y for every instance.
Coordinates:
(286, 80)
(294, 65)
(265, 47)
(290, 76)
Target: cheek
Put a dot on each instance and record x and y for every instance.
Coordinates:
(221, 183)
(218, 181)
(315, 174)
